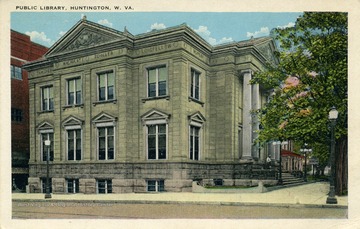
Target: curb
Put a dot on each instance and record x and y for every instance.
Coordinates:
(283, 205)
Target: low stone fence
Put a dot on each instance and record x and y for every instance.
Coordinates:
(260, 188)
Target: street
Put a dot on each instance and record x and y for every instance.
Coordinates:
(82, 210)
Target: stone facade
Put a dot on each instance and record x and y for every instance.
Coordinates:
(163, 108)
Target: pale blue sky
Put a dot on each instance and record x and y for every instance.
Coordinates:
(216, 28)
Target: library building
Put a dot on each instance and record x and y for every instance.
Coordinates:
(112, 112)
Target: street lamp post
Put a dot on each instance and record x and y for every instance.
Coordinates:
(47, 194)
(280, 159)
(305, 150)
(331, 199)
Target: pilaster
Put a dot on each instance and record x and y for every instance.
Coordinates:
(247, 117)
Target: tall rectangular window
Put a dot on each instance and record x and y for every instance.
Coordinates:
(195, 85)
(16, 72)
(16, 115)
(156, 141)
(72, 185)
(74, 144)
(104, 186)
(157, 78)
(47, 98)
(194, 142)
(106, 143)
(106, 82)
(44, 148)
(74, 91)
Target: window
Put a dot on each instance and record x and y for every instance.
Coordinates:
(16, 115)
(47, 97)
(104, 186)
(74, 144)
(106, 143)
(106, 82)
(195, 85)
(44, 148)
(156, 141)
(43, 184)
(157, 78)
(74, 91)
(155, 186)
(72, 185)
(196, 125)
(194, 142)
(16, 72)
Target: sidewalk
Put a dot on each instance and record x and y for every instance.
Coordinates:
(308, 195)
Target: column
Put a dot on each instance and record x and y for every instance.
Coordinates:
(256, 104)
(247, 119)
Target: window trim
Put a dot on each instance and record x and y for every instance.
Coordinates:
(75, 103)
(105, 125)
(155, 117)
(106, 186)
(196, 120)
(76, 185)
(47, 132)
(192, 139)
(157, 123)
(157, 185)
(106, 87)
(74, 128)
(193, 86)
(157, 66)
(47, 88)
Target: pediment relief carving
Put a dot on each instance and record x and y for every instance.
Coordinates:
(87, 39)
(85, 35)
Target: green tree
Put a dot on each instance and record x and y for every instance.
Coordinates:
(311, 77)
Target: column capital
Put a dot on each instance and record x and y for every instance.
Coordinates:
(246, 71)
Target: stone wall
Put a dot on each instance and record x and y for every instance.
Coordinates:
(132, 177)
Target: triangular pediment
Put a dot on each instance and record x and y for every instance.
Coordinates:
(154, 114)
(197, 117)
(72, 121)
(45, 126)
(267, 49)
(84, 35)
(104, 117)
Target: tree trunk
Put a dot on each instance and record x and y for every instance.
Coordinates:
(341, 176)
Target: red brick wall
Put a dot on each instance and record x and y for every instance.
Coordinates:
(22, 50)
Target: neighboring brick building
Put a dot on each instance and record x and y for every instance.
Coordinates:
(150, 112)
(22, 51)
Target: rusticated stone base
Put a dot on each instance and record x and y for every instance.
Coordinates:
(133, 177)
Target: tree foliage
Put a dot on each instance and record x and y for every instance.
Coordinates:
(309, 80)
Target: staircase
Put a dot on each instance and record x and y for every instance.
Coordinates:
(290, 180)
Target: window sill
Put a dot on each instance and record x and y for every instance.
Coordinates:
(105, 101)
(196, 101)
(44, 112)
(73, 106)
(167, 97)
